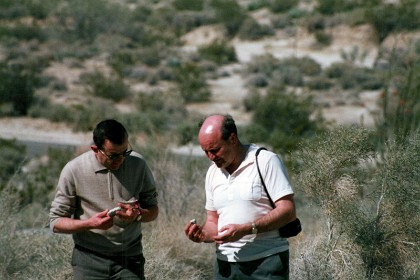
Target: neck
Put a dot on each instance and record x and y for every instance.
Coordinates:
(242, 151)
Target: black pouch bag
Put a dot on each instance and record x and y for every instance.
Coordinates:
(294, 227)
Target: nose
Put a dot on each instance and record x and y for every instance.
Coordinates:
(210, 156)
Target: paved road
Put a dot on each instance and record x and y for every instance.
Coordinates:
(34, 148)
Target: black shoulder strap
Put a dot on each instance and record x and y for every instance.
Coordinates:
(261, 177)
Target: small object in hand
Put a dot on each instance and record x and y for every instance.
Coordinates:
(113, 211)
(193, 222)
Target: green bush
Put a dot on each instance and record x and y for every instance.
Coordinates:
(186, 21)
(85, 20)
(16, 88)
(230, 13)
(218, 51)
(286, 119)
(12, 157)
(43, 108)
(279, 6)
(23, 32)
(319, 83)
(323, 38)
(191, 83)
(252, 30)
(38, 181)
(288, 71)
(369, 205)
(193, 5)
(350, 76)
(307, 65)
(97, 84)
(330, 7)
(288, 75)
(88, 114)
(390, 17)
(252, 100)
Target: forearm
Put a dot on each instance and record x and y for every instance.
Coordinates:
(209, 231)
(278, 217)
(149, 214)
(69, 225)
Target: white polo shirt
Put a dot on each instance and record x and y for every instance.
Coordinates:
(240, 198)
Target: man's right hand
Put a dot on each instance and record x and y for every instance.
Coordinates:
(101, 220)
(194, 232)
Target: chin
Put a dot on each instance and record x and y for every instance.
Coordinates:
(114, 167)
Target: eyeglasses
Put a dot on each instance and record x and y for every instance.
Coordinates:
(113, 157)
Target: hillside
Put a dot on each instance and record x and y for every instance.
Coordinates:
(229, 86)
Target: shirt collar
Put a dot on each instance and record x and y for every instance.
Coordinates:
(97, 166)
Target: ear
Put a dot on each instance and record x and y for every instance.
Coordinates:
(233, 138)
(94, 148)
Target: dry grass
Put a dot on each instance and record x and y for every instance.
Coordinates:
(328, 248)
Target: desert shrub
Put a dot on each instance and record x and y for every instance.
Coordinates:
(264, 64)
(323, 38)
(186, 21)
(21, 8)
(97, 84)
(368, 205)
(157, 113)
(123, 59)
(193, 5)
(288, 71)
(288, 75)
(191, 83)
(43, 108)
(400, 106)
(85, 20)
(360, 77)
(349, 76)
(285, 118)
(393, 16)
(12, 9)
(307, 65)
(319, 83)
(315, 23)
(218, 51)
(23, 32)
(142, 12)
(87, 115)
(230, 13)
(12, 157)
(251, 100)
(330, 7)
(38, 178)
(280, 6)
(31, 253)
(252, 30)
(257, 80)
(16, 87)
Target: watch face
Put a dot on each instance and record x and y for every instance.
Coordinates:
(254, 228)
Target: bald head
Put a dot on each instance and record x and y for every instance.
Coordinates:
(212, 126)
(218, 139)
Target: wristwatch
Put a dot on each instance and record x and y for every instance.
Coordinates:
(254, 228)
(139, 216)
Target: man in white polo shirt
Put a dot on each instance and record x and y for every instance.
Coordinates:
(240, 219)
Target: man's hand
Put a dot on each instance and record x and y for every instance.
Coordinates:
(194, 232)
(231, 233)
(128, 213)
(101, 220)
